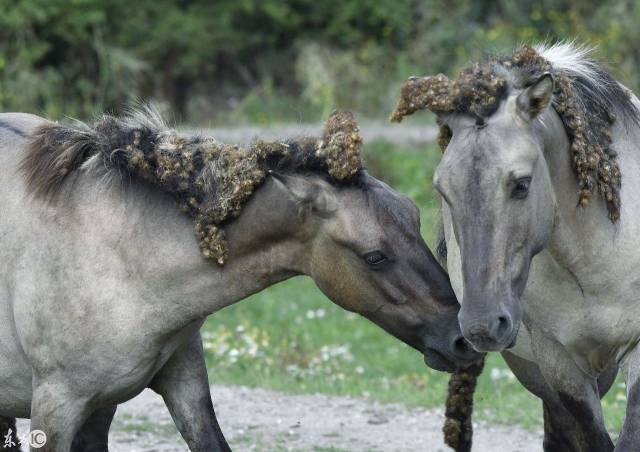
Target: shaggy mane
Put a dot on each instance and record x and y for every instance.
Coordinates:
(211, 181)
(586, 97)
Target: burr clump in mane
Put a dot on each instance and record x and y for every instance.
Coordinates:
(586, 97)
(211, 181)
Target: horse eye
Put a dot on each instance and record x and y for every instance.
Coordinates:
(375, 258)
(521, 188)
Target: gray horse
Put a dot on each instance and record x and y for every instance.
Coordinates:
(104, 285)
(540, 183)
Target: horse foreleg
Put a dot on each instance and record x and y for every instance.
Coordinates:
(184, 385)
(577, 392)
(560, 427)
(630, 436)
(94, 434)
(58, 413)
(559, 424)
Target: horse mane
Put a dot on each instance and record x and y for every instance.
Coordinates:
(210, 181)
(594, 86)
(587, 99)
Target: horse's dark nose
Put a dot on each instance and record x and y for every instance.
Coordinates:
(490, 332)
(462, 350)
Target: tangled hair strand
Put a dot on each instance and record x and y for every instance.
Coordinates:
(458, 428)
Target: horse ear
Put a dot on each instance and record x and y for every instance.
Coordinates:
(309, 193)
(535, 98)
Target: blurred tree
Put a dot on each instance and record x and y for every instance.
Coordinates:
(273, 58)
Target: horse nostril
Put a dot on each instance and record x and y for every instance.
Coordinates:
(504, 326)
(461, 347)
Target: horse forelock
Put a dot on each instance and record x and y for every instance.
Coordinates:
(211, 181)
(587, 99)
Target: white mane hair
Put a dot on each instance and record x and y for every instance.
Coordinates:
(569, 57)
(594, 84)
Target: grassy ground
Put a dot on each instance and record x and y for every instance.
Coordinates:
(290, 337)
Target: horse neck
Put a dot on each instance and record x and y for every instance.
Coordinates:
(262, 251)
(582, 236)
(265, 242)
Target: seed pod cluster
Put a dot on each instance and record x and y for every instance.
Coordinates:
(480, 89)
(212, 181)
(340, 146)
(594, 161)
(435, 93)
(458, 427)
(477, 90)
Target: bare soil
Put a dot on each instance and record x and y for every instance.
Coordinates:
(264, 420)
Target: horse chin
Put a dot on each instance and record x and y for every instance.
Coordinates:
(438, 361)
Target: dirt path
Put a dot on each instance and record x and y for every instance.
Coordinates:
(270, 421)
(371, 131)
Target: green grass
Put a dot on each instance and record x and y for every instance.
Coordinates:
(291, 338)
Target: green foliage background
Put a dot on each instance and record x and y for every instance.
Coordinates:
(273, 60)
